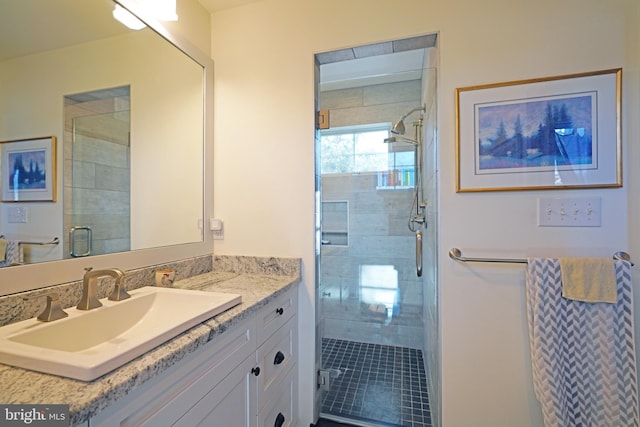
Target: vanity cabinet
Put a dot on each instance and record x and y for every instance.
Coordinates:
(244, 377)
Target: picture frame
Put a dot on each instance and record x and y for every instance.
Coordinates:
(561, 132)
(28, 168)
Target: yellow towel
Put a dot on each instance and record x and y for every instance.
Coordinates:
(3, 249)
(589, 279)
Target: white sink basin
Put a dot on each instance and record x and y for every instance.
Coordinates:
(88, 344)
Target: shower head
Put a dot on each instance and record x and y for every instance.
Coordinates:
(398, 127)
(400, 139)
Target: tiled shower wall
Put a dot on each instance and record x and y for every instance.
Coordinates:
(377, 229)
(378, 235)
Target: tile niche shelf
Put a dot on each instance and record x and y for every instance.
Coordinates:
(335, 223)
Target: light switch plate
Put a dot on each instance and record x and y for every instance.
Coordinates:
(17, 214)
(569, 212)
(215, 224)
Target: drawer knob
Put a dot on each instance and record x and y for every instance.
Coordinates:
(279, 420)
(279, 358)
(280, 311)
(255, 371)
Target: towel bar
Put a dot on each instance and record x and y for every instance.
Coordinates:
(456, 254)
(53, 241)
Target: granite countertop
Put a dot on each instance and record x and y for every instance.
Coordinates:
(86, 399)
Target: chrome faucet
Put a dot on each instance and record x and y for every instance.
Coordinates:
(89, 298)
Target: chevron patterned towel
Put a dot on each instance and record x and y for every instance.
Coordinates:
(14, 254)
(582, 354)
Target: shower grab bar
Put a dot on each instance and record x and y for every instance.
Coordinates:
(419, 253)
(456, 254)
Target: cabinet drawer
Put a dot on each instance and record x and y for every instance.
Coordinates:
(275, 358)
(281, 410)
(276, 313)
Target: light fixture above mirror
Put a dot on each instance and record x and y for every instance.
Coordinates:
(127, 18)
(162, 10)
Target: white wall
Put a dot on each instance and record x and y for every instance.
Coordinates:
(263, 55)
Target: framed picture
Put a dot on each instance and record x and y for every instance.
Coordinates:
(540, 134)
(28, 168)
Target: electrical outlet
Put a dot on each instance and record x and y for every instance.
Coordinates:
(218, 235)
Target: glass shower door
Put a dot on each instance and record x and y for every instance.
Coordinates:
(97, 196)
(376, 204)
(371, 296)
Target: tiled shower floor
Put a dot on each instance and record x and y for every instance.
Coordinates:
(375, 383)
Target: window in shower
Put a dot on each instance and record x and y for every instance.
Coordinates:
(361, 149)
(401, 172)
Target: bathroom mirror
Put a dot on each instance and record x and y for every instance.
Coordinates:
(127, 112)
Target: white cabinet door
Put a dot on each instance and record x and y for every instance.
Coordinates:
(164, 399)
(230, 403)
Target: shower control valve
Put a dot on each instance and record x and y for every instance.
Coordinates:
(419, 219)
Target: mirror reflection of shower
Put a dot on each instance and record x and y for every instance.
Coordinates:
(97, 201)
(417, 213)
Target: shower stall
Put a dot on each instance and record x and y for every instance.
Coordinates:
(97, 183)
(377, 204)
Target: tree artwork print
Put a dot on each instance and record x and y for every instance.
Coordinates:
(28, 170)
(554, 132)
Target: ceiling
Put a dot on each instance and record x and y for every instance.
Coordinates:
(378, 63)
(218, 5)
(23, 32)
(52, 23)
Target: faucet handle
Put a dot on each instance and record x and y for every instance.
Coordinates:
(53, 310)
(119, 293)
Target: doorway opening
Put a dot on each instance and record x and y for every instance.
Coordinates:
(377, 302)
